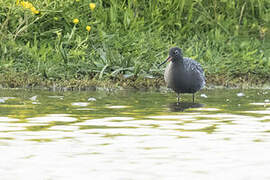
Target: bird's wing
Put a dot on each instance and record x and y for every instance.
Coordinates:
(196, 68)
(193, 66)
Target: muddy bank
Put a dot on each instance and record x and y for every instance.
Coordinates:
(20, 80)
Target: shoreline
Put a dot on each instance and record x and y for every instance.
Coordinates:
(24, 81)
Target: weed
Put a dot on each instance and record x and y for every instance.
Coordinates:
(63, 40)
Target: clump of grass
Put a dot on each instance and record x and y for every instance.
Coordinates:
(117, 40)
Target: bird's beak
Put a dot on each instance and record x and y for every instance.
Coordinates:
(168, 59)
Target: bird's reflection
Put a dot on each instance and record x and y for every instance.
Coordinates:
(179, 107)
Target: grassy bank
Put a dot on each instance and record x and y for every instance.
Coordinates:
(73, 43)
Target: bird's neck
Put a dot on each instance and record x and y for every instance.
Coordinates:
(178, 61)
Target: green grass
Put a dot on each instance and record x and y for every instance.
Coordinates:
(128, 39)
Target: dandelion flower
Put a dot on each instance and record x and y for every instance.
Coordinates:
(27, 4)
(33, 9)
(75, 21)
(30, 5)
(92, 6)
(36, 12)
(22, 3)
(88, 28)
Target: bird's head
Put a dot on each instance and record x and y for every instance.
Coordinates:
(175, 54)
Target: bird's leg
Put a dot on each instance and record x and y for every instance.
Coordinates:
(193, 97)
(178, 98)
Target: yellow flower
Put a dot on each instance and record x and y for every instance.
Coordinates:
(88, 28)
(33, 9)
(75, 21)
(22, 3)
(27, 4)
(92, 6)
(36, 12)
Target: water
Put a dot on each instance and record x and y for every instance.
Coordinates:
(134, 135)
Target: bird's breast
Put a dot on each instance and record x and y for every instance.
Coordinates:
(181, 80)
(173, 75)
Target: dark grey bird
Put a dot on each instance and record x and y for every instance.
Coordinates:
(182, 74)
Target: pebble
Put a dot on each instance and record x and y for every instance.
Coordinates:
(203, 95)
(34, 98)
(92, 99)
(240, 94)
(82, 104)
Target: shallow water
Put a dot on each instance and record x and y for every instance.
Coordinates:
(134, 135)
